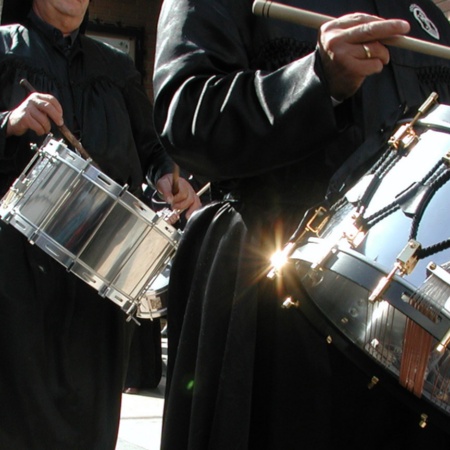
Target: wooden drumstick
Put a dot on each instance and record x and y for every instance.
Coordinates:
(273, 10)
(175, 179)
(168, 213)
(201, 191)
(62, 128)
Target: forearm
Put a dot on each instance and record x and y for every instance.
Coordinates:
(243, 124)
(221, 118)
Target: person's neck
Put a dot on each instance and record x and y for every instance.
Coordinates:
(65, 24)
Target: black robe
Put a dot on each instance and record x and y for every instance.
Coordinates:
(63, 347)
(241, 100)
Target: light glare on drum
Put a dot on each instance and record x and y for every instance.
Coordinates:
(278, 260)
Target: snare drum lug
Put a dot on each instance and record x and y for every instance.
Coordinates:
(403, 138)
(130, 310)
(131, 317)
(406, 261)
(344, 320)
(355, 233)
(423, 420)
(373, 382)
(405, 135)
(318, 221)
(290, 303)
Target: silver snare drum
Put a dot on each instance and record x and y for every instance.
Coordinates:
(375, 266)
(90, 224)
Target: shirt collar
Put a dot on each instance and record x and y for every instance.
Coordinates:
(53, 34)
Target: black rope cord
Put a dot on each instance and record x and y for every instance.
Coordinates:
(433, 180)
(395, 204)
(387, 160)
(436, 178)
(433, 187)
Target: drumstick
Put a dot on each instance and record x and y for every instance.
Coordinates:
(273, 10)
(201, 191)
(62, 128)
(175, 179)
(167, 213)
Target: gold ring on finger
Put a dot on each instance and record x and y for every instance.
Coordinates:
(367, 51)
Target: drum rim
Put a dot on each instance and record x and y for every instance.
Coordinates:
(365, 265)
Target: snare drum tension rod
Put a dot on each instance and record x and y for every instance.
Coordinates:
(406, 261)
(405, 135)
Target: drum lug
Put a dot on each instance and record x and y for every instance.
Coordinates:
(353, 233)
(423, 420)
(317, 221)
(130, 309)
(373, 382)
(406, 261)
(405, 136)
(290, 303)
(356, 232)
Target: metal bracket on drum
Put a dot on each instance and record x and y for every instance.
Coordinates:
(353, 233)
(405, 263)
(314, 225)
(405, 136)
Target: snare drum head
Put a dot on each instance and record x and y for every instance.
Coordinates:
(360, 281)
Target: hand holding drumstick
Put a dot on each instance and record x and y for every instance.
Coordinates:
(37, 112)
(179, 194)
(351, 47)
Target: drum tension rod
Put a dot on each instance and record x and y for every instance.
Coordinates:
(314, 225)
(353, 233)
(405, 136)
(406, 261)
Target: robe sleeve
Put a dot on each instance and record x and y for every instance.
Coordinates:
(215, 114)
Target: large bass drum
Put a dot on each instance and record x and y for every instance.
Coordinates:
(91, 225)
(372, 271)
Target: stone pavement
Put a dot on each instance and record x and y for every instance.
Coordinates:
(141, 416)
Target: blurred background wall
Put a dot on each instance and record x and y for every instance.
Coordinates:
(131, 25)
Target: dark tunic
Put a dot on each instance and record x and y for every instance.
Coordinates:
(241, 100)
(63, 346)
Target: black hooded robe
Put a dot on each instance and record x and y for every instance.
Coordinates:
(241, 100)
(64, 347)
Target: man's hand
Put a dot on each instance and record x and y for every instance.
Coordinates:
(351, 49)
(36, 112)
(185, 200)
